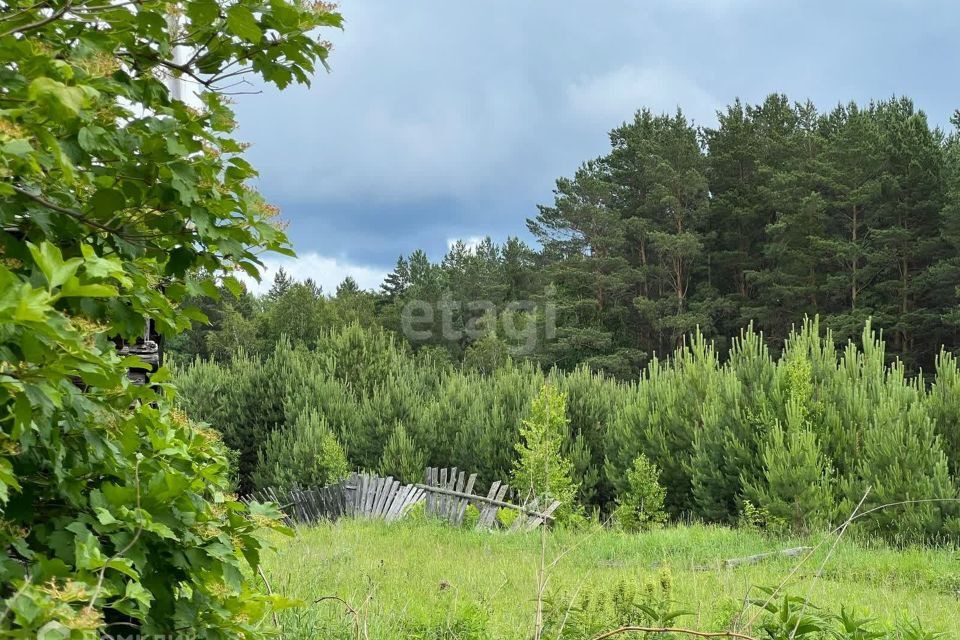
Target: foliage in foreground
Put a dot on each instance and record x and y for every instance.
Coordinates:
(799, 439)
(115, 513)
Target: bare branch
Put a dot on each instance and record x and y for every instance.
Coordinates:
(39, 23)
(76, 215)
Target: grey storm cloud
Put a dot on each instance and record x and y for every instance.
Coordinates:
(444, 119)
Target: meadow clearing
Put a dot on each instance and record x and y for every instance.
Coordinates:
(416, 579)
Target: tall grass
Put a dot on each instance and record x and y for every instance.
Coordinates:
(424, 580)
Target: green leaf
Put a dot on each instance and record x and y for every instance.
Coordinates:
(162, 374)
(234, 286)
(73, 289)
(24, 607)
(7, 480)
(203, 12)
(50, 260)
(18, 148)
(23, 414)
(181, 258)
(33, 305)
(124, 566)
(241, 22)
(106, 201)
(104, 516)
(135, 591)
(89, 138)
(71, 99)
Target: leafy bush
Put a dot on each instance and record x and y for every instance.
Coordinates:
(800, 436)
(790, 616)
(471, 515)
(454, 621)
(401, 457)
(306, 454)
(506, 516)
(541, 471)
(756, 518)
(796, 487)
(641, 506)
(600, 607)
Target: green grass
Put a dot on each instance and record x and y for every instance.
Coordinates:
(423, 580)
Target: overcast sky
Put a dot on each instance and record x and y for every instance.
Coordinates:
(446, 119)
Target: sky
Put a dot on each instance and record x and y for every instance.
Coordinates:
(443, 119)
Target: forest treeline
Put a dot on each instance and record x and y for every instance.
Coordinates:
(777, 212)
(666, 299)
(800, 438)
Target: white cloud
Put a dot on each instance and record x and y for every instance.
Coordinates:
(614, 96)
(326, 271)
(472, 242)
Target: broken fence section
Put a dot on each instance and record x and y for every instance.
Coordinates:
(357, 496)
(446, 493)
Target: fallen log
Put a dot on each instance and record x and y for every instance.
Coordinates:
(732, 563)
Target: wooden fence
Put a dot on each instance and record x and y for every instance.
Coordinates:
(357, 496)
(446, 493)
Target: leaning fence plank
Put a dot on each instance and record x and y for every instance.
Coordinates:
(519, 521)
(384, 491)
(451, 500)
(394, 489)
(385, 485)
(432, 481)
(372, 489)
(413, 496)
(386, 497)
(428, 479)
(358, 496)
(362, 498)
(500, 496)
(319, 512)
(457, 501)
(442, 499)
(376, 484)
(466, 501)
(416, 495)
(396, 503)
(390, 486)
(488, 506)
(435, 482)
(304, 506)
(538, 519)
(365, 498)
(489, 510)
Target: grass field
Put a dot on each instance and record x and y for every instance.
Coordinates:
(423, 580)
